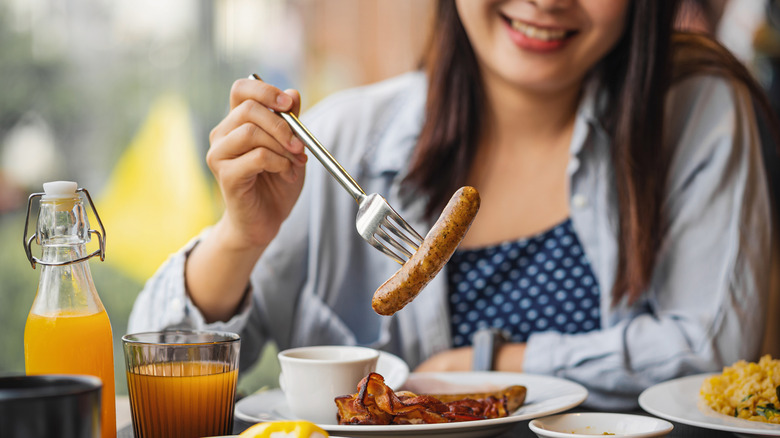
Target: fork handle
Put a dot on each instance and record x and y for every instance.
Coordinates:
(322, 154)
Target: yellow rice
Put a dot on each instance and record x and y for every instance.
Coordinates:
(746, 390)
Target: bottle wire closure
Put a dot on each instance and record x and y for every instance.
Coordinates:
(27, 242)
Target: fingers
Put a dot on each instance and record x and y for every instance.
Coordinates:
(252, 139)
(254, 151)
(296, 97)
(263, 93)
(257, 161)
(251, 125)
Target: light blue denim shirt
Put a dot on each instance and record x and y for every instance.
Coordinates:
(703, 308)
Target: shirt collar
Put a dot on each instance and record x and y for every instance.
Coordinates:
(592, 104)
(391, 144)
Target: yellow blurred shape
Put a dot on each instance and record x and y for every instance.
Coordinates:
(158, 196)
(291, 429)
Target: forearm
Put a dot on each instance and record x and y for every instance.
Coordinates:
(509, 357)
(217, 274)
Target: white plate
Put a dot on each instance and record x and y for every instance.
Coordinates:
(546, 395)
(586, 424)
(678, 400)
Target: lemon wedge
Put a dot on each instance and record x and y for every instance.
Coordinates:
(285, 429)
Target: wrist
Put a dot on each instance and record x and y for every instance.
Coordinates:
(233, 241)
(217, 274)
(509, 357)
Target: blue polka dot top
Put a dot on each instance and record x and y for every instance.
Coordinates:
(531, 285)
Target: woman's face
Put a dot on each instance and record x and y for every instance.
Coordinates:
(541, 45)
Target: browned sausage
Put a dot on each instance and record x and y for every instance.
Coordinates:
(436, 249)
(515, 396)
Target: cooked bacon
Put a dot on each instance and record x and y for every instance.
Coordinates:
(376, 403)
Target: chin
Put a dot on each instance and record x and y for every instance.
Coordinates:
(540, 81)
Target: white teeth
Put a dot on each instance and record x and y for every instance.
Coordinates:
(537, 32)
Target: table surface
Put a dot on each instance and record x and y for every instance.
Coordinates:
(123, 416)
(520, 430)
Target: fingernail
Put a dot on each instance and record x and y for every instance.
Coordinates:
(302, 159)
(284, 100)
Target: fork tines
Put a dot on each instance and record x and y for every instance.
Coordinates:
(407, 242)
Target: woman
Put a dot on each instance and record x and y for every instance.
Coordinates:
(624, 232)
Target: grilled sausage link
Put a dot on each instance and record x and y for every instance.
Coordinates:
(514, 395)
(436, 249)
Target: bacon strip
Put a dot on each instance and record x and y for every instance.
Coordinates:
(376, 403)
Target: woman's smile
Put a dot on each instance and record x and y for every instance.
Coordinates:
(541, 46)
(537, 38)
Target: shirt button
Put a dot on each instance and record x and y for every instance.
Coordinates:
(574, 164)
(579, 200)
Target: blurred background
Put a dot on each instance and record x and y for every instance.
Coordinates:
(120, 95)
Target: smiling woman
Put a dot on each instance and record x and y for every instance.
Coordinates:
(618, 164)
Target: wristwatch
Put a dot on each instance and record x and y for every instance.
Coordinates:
(485, 344)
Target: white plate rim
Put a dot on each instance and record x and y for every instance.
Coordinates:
(678, 400)
(575, 394)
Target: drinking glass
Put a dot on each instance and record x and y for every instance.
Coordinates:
(182, 384)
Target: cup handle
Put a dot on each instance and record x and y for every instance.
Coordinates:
(281, 381)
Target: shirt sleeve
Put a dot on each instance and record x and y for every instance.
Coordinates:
(703, 307)
(164, 304)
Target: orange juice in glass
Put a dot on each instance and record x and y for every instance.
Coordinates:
(181, 383)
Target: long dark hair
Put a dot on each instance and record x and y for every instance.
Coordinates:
(453, 122)
(635, 76)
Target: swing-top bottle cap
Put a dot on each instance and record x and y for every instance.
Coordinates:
(59, 189)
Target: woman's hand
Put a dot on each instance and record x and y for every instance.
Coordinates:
(258, 163)
(509, 357)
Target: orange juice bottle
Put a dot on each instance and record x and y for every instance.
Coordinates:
(67, 330)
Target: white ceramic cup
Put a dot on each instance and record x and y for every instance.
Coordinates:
(312, 377)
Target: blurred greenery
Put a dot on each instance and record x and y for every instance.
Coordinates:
(19, 283)
(94, 98)
(88, 73)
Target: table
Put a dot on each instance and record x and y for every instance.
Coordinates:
(123, 416)
(520, 430)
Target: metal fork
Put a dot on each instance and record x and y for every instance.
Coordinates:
(377, 222)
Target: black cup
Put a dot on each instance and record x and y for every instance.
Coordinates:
(62, 406)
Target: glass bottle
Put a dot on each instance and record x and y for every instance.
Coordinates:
(67, 330)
